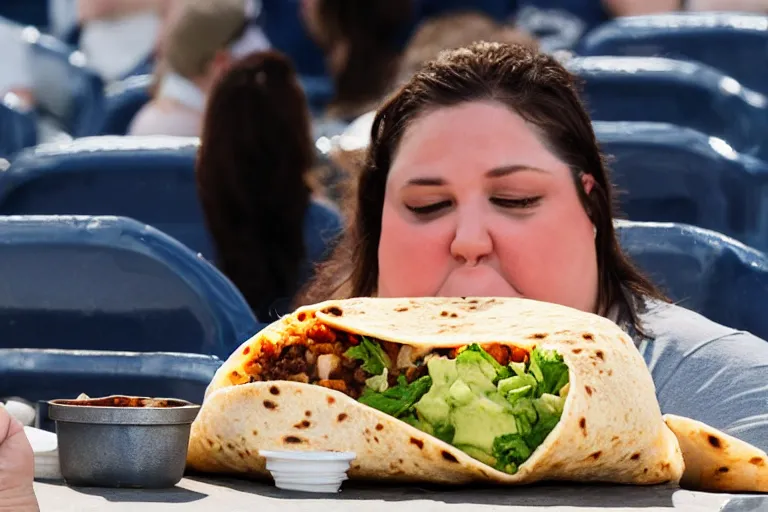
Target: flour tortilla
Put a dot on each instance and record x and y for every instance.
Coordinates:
(611, 429)
(715, 461)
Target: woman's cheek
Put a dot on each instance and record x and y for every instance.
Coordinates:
(414, 258)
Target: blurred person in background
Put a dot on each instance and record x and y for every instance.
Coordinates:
(362, 44)
(252, 173)
(118, 36)
(560, 24)
(203, 41)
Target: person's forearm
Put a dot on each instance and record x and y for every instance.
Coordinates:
(22, 500)
(88, 10)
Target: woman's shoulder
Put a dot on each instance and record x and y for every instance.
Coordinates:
(707, 371)
(663, 321)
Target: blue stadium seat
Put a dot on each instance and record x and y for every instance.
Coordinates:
(123, 101)
(111, 283)
(39, 375)
(150, 179)
(735, 43)
(64, 87)
(670, 91)
(702, 270)
(669, 173)
(18, 129)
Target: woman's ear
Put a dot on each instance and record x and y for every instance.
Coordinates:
(588, 182)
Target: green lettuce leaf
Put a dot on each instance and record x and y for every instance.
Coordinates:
(510, 451)
(550, 371)
(399, 399)
(371, 354)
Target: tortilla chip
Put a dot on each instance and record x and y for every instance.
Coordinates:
(716, 461)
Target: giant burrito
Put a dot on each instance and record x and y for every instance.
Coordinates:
(444, 390)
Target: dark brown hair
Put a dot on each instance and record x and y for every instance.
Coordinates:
(370, 30)
(541, 91)
(255, 152)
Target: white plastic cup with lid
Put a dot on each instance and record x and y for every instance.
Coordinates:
(308, 471)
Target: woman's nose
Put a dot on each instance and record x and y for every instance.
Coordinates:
(472, 241)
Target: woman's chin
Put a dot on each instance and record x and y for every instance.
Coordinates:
(476, 282)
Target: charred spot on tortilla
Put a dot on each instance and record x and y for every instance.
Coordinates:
(665, 466)
(301, 317)
(645, 470)
(341, 417)
(376, 439)
(308, 414)
(588, 390)
(331, 400)
(444, 313)
(401, 309)
(333, 311)
(635, 456)
(576, 351)
(254, 432)
(449, 456)
(714, 441)
(269, 404)
(417, 442)
(596, 455)
(587, 336)
(379, 426)
(274, 390)
(210, 442)
(230, 446)
(292, 440)
(722, 469)
(246, 351)
(302, 424)
(757, 461)
(538, 336)
(583, 425)
(600, 355)
(454, 315)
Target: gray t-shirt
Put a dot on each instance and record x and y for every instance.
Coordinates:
(707, 371)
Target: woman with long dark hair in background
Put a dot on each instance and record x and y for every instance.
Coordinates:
(256, 151)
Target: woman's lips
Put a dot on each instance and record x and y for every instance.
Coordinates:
(480, 281)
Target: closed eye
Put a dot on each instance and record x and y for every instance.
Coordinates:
(430, 208)
(525, 202)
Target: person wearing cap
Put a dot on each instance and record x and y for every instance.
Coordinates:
(206, 37)
(16, 467)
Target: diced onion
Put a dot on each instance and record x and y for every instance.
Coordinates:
(326, 365)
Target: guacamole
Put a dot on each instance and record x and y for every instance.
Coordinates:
(497, 414)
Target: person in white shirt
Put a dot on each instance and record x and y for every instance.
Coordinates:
(202, 43)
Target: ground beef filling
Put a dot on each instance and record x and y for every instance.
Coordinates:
(318, 358)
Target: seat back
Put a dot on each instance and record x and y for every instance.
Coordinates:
(733, 42)
(111, 283)
(39, 375)
(123, 101)
(669, 173)
(150, 179)
(669, 91)
(17, 127)
(702, 270)
(64, 87)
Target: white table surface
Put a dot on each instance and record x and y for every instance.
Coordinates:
(231, 495)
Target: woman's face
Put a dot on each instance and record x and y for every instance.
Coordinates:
(476, 205)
